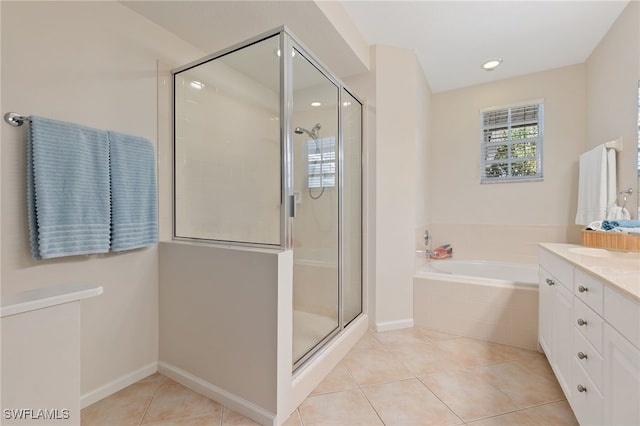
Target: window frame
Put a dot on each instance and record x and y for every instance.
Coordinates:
(539, 139)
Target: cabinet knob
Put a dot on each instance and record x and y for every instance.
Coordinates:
(581, 388)
(582, 355)
(550, 281)
(581, 322)
(582, 289)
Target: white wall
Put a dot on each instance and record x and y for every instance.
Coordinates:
(227, 324)
(45, 342)
(423, 157)
(507, 219)
(400, 134)
(92, 63)
(613, 73)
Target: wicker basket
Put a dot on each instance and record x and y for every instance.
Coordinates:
(611, 240)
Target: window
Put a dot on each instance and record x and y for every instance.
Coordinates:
(511, 146)
(321, 154)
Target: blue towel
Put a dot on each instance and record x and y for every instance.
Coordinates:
(134, 199)
(67, 189)
(609, 225)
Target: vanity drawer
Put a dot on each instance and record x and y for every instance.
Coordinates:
(592, 323)
(586, 399)
(562, 271)
(587, 356)
(589, 289)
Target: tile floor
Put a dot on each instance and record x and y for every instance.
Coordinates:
(405, 377)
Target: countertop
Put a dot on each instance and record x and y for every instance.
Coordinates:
(616, 269)
(44, 297)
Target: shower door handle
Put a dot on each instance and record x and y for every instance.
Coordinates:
(292, 206)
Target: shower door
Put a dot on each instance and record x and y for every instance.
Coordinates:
(316, 220)
(267, 154)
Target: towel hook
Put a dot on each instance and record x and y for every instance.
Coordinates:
(15, 119)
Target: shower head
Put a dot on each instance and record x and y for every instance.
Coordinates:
(313, 132)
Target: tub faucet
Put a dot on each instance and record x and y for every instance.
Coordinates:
(426, 252)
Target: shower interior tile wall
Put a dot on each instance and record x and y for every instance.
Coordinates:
(210, 168)
(514, 243)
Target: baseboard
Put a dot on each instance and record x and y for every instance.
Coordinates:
(394, 325)
(234, 402)
(120, 383)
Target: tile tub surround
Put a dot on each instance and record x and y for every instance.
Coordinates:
(408, 376)
(501, 242)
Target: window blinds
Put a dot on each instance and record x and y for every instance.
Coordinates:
(511, 144)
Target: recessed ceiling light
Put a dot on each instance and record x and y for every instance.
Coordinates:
(316, 103)
(197, 85)
(492, 64)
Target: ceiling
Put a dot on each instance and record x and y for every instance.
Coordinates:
(215, 25)
(451, 38)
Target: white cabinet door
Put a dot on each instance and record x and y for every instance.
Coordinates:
(545, 311)
(621, 380)
(586, 400)
(562, 336)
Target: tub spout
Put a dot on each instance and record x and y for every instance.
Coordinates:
(425, 252)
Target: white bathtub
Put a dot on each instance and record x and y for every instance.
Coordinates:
(493, 301)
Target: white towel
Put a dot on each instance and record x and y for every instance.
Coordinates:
(618, 213)
(595, 226)
(612, 185)
(593, 186)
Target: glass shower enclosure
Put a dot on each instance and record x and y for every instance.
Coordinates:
(268, 155)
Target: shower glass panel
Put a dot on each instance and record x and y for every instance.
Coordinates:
(268, 153)
(351, 207)
(227, 147)
(315, 225)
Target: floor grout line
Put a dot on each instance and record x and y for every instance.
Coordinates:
(146, 410)
(440, 399)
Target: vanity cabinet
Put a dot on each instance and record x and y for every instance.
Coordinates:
(556, 311)
(590, 333)
(621, 380)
